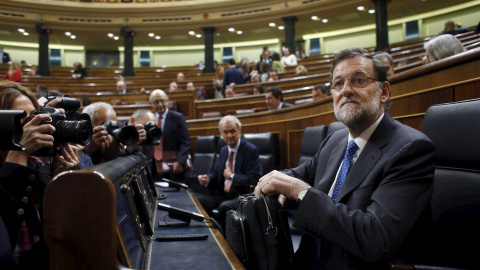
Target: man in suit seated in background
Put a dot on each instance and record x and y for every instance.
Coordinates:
(122, 88)
(171, 156)
(238, 168)
(368, 214)
(320, 91)
(274, 99)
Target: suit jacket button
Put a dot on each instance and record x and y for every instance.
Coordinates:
(29, 189)
(25, 200)
(20, 212)
(31, 177)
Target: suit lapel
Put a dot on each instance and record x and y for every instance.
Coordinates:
(334, 161)
(369, 156)
(239, 156)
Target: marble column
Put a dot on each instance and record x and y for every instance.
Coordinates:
(128, 35)
(381, 20)
(43, 54)
(208, 33)
(290, 32)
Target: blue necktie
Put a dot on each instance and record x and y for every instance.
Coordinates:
(347, 161)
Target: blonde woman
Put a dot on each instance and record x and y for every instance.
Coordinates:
(14, 74)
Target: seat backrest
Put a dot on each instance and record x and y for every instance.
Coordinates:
(334, 126)
(311, 140)
(204, 156)
(454, 129)
(267, 144)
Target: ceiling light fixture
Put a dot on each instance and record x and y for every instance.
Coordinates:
(68, 33)
(158, 37)
(231, 29)
(25, 33)
(73, 37)
(21, 30)
(315, 18)
(360, 7)
(198, 35)
(272, 24)
(116, 38)
(281, 27)
(325, 20)
(239, 32)
(151, 34)
(191, 33)
(371, 11)
(110, 35)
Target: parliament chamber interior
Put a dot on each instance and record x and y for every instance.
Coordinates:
(125, 213)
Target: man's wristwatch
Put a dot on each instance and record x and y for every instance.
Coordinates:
(301, 194)
(231, 177)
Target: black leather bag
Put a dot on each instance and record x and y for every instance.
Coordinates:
(258, 233)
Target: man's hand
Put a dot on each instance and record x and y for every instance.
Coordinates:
(66, 161)
(99, 137)
(203, 179)
(177, 167)
(227, 173)
(276, 182)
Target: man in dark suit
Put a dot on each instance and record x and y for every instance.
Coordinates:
(265, 58)
(122, 88)
(230, 180)
(274, 99)
(231, 74)
(365, 216)
(170, 157)
(4, 56)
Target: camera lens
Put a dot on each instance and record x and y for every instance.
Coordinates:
(127, 135)
(76, 132)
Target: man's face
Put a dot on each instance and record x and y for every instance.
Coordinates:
(265, 54)
(274, 75)
(120, 86)
(190, 87)
(387, 64)
(103, 115)
(318, 94)
(229, 93)
(230, 133)
(149, 117)
(272, 101)
(159, 102)
(173, 87)
(358, 106)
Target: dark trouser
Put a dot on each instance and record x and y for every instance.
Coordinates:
(221, 202)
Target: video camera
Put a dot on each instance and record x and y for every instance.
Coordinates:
(153, 134)
(11, 130)
(66, 131)
(127, 135)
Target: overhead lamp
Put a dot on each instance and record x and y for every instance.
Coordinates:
(239, 32)
(315, 18)
(21, 30)
(360, 7)
(198, 35)
(25, 33)
(73, 37)
(281, 27)
(151, 34)
(324, 20)
(371, 11)
(68, 33)
(191, 33)
(116, 38)
(110, 35)
(158, 37)
(231, 29)
(272, 24)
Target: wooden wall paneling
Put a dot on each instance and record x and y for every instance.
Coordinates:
(418, 102)
(415, 120)
(295, 143)
(469, 90)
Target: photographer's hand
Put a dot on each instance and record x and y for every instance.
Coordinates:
(98, 138)
(35, 136)
(66, 161)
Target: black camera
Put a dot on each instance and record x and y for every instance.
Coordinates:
(127, 135)
(71, 106)
(11, 130)
(66, 131)
(153, 134)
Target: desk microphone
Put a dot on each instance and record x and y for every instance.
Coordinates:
(174, 184)
(180, 214)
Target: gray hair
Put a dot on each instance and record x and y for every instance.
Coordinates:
(442, 47)
(381, 56)
(94, 107)
(231, 119)
(140, 114)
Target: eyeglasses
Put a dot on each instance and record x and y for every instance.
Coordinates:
(357, 81)
(159, 101)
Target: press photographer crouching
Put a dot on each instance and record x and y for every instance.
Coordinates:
(23, 178)
(111, 139)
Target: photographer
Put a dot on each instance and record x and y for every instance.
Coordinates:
(146, 117)
(23, 179)
(104, 147)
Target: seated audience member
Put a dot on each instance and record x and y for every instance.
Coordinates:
(141, 117)
(175, 146)
(257, 89)
(180, 77)
(442, 47)
(264, 72)
(265, 58)
(451, 29)
(191, 87)
(387, 176)
(229, 92)
(14, 73)
(277, 65)
(23, 178)
(122, 88)
(245, 68)
(274, 99)
(238, 168)
(301, 70)
(4, 57)
(231, 74)
(273, 76)
(33, 71)
(320, 91)
(78, 71)
(460, 28)
(301, 51)
(173, 87)
(256, 78)
(402, 63)
(289, 59)
(218, 81)
(104, 147)
(387, 60)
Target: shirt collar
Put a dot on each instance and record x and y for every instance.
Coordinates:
(164, 114)
(235, 149)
